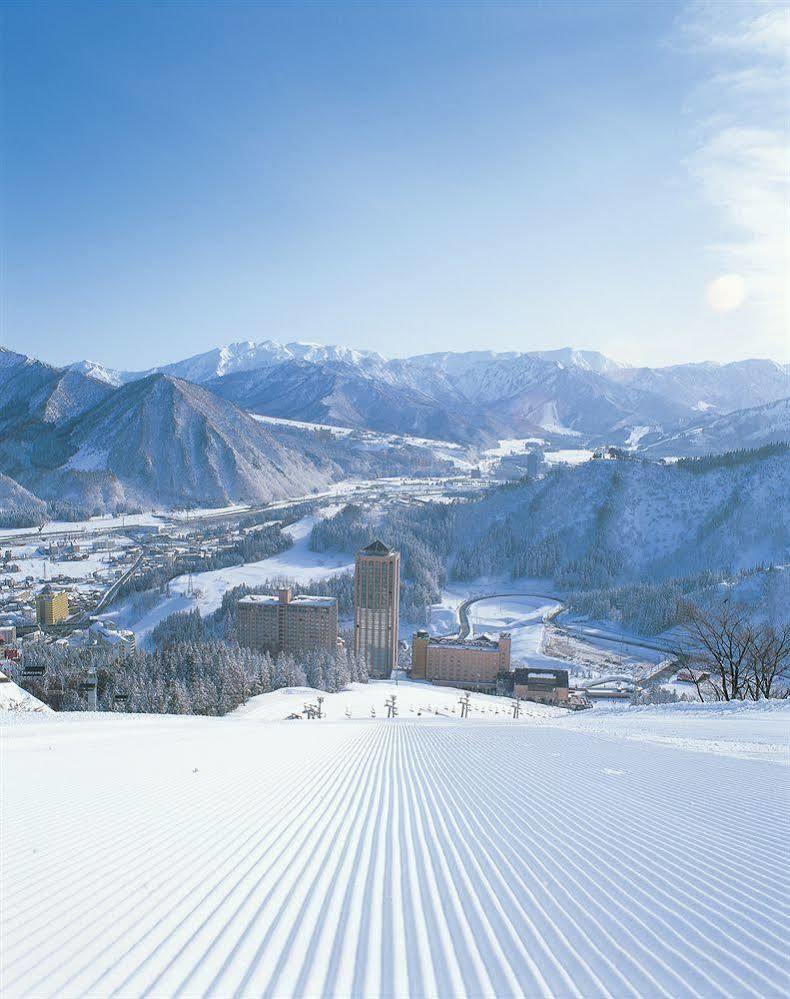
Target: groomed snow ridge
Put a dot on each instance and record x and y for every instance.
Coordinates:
(166, 856)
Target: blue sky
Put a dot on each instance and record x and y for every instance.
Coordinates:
(402, 178)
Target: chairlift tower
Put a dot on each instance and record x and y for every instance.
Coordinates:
(88, 687)
(392, 709)
(464, 702)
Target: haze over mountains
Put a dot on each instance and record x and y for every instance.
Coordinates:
(183, 433)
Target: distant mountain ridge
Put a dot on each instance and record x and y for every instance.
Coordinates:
(245, 355)
(88, 436)
(745, 428)
(476, 396)
(69, 438)
(71, 444)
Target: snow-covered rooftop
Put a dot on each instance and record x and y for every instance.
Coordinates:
(304, 600)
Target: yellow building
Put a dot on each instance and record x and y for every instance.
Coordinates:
(52, 606)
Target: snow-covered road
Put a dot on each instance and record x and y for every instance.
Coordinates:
(159, 856)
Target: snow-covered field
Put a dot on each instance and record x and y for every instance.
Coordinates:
(422, 856)
(522, 617)
(594, 648)
(568, 456)
(92, 526)
(517, 445)
(743, 729)
(298, 563)
(414, 699)
(371, 440)
(32, 564)
(513, 445)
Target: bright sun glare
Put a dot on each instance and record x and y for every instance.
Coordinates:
(726, 292)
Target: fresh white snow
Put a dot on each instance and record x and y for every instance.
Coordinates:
(741, 728)
(368, 700)
(523, 617)
(91, 526)
(568, 456)
(417, 857)
(14, 698)
(513, 445)
(636, 434)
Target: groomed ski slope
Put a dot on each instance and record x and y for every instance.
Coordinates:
(161, 856)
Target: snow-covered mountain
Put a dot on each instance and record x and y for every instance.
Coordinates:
(246, 355)
(104, 439)
(472, 396)
(709, 386)
(348, 395)
(163, 441)
(32, 391)
(110, 376)
(18, 506)
(608, 522)
(745, 428)
(84, 446)
(590, 360)
(71, 438)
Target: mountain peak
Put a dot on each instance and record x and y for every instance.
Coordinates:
(587, 360)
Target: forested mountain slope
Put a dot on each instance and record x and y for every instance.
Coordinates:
(32, 392)
(604, 524)
(612, 521)
(166, 442)
(18, 507)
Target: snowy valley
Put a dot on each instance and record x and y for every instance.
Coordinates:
(191, 811)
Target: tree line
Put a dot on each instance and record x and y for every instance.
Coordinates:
(186, 677)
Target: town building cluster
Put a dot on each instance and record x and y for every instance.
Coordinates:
(286, 623)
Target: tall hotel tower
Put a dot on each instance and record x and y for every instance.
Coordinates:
(376, 607)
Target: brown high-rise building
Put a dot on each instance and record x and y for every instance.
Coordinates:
(285, 623)
(376, 607)
(459, 662)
